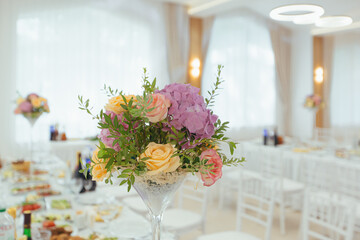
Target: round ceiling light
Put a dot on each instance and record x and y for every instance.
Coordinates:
(292, 12)
(305, 20)
(333, 21)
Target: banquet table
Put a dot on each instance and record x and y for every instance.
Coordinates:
(124, 225)
(293, 154)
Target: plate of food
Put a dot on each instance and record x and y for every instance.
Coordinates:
(31, 206)
(21, 166)
(29, 188)
(40, 172)
(58, 203)
(26, 179)
(47, 192)
(60, 231)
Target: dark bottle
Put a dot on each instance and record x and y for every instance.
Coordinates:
(266, 136)
(56, 132)
(52, 130)
(276, 140)
(27, 224)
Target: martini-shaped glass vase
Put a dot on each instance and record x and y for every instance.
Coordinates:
(157, 192)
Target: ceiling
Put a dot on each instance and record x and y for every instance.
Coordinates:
(203, 8)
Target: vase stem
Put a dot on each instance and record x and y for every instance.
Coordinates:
(156, 226)
(31, 143)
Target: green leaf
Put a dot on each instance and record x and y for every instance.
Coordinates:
(126, 171)
(132, 179)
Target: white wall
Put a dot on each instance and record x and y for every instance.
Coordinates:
(301, 79)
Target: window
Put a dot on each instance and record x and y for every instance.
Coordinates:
(76, 50)
(243, 46)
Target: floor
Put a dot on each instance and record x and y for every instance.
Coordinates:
(223, 220)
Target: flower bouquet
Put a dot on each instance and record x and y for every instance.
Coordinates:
(313, 101)
(152, 141)
(31, 107)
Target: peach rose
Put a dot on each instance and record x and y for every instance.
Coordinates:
(114, 104)
(160, 158)
(19, 100)
(160, 104)
(36, 102)
(210, 176)
(44, 100)
(98, 172)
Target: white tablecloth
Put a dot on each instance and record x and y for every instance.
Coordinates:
(66, 150)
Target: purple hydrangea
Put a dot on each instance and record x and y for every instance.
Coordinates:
(188, 109)
(25, 107)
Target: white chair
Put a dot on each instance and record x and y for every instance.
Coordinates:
(337, 180)
(230, 178)
(318, 173)
(272, 166)
(326, 218)
(348, 185)
(179, 220)
(255, 203)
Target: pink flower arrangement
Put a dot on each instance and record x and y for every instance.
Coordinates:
(32, 105)
(167, 131)
(313, 101)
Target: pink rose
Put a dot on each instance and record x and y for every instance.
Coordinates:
(32, 96)
(210, 176)
(161, 105)
(17, 111)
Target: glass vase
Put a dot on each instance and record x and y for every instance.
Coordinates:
(157, 192)
(32, 119)
(314, 113)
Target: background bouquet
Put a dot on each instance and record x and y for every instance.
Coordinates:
(313, 101)
(31, 106)
(159, 134)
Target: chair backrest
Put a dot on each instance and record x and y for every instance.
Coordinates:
(256, 200)
(318, 173)
(324, 135)
(272, 163)
(193, 190)
(348, 180)
(327, 218)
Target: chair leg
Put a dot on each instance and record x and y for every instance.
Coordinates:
(221, 196)
(282, 217)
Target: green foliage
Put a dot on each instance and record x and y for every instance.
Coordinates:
(134, 132)
(213, 93)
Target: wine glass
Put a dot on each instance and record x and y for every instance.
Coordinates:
(76, 185)
(41, 234)
(108, 212)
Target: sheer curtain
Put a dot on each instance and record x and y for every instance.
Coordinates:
(78, 46)
(177, 32)
(345, 84)
(242, 44)
(281, 45)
